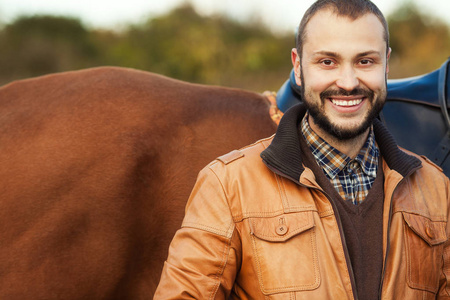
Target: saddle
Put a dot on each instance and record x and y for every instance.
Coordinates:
(416, 112)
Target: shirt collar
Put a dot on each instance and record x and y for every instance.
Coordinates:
(333, 161)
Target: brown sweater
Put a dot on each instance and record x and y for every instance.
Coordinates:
(362, 226)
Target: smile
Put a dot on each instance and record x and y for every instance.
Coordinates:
(346, 102)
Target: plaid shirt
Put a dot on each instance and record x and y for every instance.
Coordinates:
(352, 178)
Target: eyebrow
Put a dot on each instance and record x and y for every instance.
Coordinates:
(369, 53)
(327, 53)
(337, 55)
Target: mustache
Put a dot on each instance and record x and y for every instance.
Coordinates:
(367, 93)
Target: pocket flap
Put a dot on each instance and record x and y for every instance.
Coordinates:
(432, 232)
(282, 227)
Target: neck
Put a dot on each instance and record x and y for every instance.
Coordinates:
(350, 147)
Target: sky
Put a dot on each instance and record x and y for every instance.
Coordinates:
(282, 15)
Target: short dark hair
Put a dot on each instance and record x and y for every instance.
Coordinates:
(349, 8)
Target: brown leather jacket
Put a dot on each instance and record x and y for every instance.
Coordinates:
(264, 229)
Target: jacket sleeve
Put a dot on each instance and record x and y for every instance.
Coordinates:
(204, 254)
(444, 290)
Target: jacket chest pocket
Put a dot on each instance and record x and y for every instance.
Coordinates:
(285, 254)
(424, 250)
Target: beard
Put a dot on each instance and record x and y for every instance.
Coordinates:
(317, 111)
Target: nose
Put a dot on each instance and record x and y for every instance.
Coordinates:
(348, 79)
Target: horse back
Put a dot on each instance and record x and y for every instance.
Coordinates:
(96, 168)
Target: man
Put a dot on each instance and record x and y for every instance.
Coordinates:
(328, 208)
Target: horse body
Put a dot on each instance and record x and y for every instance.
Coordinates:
(97, 166)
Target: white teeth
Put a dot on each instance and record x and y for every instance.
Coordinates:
(346, 103)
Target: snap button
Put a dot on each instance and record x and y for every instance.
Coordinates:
(429, 232)
(281, 229)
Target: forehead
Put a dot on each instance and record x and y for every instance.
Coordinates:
(328, 31)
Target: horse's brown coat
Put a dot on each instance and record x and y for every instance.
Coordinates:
(96, 167)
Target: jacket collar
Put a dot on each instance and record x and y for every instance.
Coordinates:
(283, 155)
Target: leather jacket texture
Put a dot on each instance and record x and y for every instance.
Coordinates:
(258, 226)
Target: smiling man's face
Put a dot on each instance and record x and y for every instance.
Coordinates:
(342, 71)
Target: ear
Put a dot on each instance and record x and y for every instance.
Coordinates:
(387, 60)
(296, 64)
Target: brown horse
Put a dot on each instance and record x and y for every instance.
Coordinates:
(96, 167)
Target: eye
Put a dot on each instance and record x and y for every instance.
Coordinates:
(327, 62)
(365, 62)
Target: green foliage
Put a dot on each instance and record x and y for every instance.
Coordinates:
(181, 44)
(38, 45)
(212, 50)
(205, 49)
(420, 43)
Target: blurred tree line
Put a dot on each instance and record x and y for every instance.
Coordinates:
(419, 41)
(205, 49)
